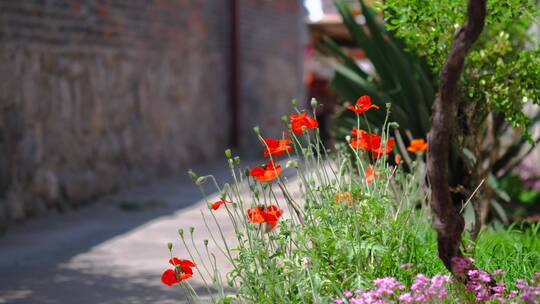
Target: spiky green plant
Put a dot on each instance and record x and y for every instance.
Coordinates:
(406, 78)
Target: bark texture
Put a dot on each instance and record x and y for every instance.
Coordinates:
(447, 221)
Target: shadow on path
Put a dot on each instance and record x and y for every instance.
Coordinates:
(112, 251)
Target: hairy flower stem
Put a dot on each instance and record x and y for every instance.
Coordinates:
(303, 177)
(292, 203)
(185, 286)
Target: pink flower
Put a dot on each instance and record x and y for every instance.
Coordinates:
(406, 297)
(419, 282)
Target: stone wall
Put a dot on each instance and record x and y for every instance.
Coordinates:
(97, 95)
(272, 58)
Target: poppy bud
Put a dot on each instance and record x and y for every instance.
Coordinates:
(294, 102)
(388, 105)
(169, 245)
(285, 119)
(348, 138)
(191, 229)
(257, 130)
(192, 175)
(228, 153)
(201, 180)
(205, 243)
(292, 163)
(313, 103)
(304, 129)
(181, 232)
(393, 124)
(237, 160)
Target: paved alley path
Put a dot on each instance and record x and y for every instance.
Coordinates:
(112, 251)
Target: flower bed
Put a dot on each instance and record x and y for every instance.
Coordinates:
(358, 223)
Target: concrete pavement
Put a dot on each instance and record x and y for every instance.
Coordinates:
(112, 251)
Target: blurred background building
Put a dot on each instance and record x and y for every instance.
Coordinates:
(98, 95)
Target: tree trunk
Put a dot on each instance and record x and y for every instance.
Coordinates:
(447, 221)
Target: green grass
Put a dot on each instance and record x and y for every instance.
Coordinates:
(515, 250)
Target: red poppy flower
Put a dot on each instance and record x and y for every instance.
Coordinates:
(358, 132)
(261, 214)
(373, 141)
(276, 146)
(370, 142)
(358, 143)
(216, 205)
(365, 141)
(255, 215)
(183, 263)
(378, 151)
(266, 173)
(302, 120)
(271, 214)
(362, 105)
(181, 271)
(417, 145)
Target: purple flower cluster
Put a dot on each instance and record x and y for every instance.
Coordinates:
(483, 287)
(435, 289)
(528, 292)
(490, 287)
(424, 289)
(388, 290)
